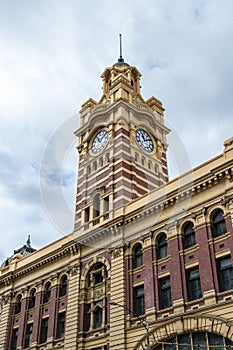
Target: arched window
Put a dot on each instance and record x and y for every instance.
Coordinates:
(96, 205)
(196, 340)
(32, 300)
(63, 286)
(101, 162)
(137, 256)
(47, 292)
(18, 304)
(189, 238)
(218, 224)
(162, 246)
(95, 310)
(95, 166)
(97, 274)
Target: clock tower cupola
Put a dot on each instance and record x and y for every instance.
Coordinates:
(122, 147)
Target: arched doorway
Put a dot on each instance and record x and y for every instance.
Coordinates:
(205, 332)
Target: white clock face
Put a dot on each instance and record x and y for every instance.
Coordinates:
(100, 141)
(144, 140)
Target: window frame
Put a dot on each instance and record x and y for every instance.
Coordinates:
(194, 284)
(44, 330)
(28, 335)
(223, 281)
(47, 293)
(137, 255)
(218, 223)
(162, 246)
(63, 286)
(189, 237)
(165, 293)
(139, 300)
(61, 325)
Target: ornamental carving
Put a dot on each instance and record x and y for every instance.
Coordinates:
(7, 298)
(116, 253)
(98, 293)
(74, 270)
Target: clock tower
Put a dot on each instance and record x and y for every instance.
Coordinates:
(122, 147)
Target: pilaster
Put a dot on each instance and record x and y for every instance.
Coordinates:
(72, 315)
(117, 313)
(5, 312)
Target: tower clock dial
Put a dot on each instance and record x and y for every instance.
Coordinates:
(144, 140)
(100, 141)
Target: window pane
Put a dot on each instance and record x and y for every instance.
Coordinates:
(219, 224)
(28, 338)
(137, 256)
(200, 340)
(44, 330)
(61, 325)
(162, 246)
(215, 339)
(225, 274)
(189, 236)
(165, 293)
(194, 284)
(184, 341)
(14, 339)
(139, 308)
(97, 317)
(171, 344)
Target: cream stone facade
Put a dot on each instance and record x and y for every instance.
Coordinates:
(149, 263)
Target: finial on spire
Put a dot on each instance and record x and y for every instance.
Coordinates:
(120, 59)
(28, 241)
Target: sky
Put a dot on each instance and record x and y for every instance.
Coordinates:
(52, 53)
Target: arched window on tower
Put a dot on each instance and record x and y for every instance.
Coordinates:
(96, 205)
(137, 256)
(218, 223)
(189, 238)
(162, 246)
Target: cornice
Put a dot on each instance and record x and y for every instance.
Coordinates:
(43, 260)
(106, 108)
(169, 199)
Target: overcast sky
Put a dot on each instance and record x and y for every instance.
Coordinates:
(52, 53)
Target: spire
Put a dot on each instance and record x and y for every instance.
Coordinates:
(120, 59)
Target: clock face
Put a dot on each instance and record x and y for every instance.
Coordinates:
(100, 141)
(144, 140)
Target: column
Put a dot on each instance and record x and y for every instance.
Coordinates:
(5, 313)
(117, 313)
(72, 314)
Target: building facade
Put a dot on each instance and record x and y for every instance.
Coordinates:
(149, 263)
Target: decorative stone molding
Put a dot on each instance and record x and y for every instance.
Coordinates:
(6, 298)
(116, 253)
(74, 270)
